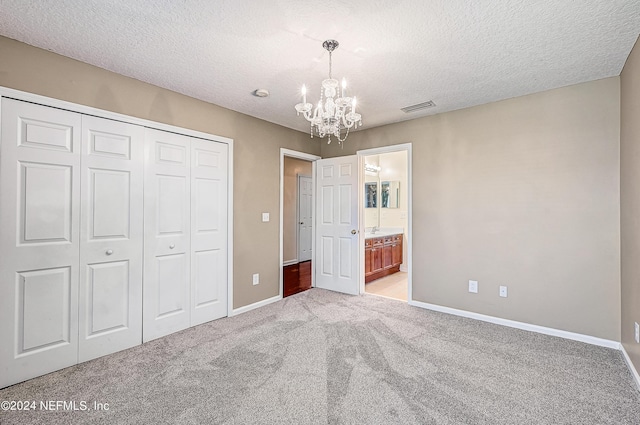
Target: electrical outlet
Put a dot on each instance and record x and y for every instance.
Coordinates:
(637, 329)
(256, 278)
(265, 217)
(473, 286)
(503, 291)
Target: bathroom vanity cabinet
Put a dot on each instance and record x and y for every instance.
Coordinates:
(382, 256)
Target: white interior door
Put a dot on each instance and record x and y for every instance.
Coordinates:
(110, 237)
(209, 177)
(305, 217)
(337, 226)
(39, 243)
(167, 234)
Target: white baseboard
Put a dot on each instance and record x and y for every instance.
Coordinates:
(404, 268)
(290, 262)
(520, 325)
(253, 306)
(632, 368)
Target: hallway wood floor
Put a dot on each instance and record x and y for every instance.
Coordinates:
(297, 278)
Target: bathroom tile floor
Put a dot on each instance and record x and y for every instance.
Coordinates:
(392, 286)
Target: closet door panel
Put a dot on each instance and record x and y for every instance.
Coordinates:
(109, 215)
(108, 288)
(166, 307)
(171, 192)
(39, 241)
(209, 182)
(172, 279)
(111, 256)
(43, 319)
(49, 186)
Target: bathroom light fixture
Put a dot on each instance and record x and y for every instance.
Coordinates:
(331, 117)
(371, 168)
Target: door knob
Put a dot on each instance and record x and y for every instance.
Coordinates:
(302, 222)
(354, 231)
(172, 246)
(109, 251)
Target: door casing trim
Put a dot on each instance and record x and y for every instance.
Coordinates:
(311, 158)
(409, 239)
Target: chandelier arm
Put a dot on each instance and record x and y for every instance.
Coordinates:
(347, 124)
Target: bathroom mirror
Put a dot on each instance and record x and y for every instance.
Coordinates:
(371, 195)
(390, 194)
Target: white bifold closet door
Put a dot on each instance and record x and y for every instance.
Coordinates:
(71, 240)
(86, 206)
(185, 271)
(39, 240)
(166, 234)
(209, 194)
(111, 237)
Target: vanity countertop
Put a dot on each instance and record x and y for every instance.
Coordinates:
(385, 231)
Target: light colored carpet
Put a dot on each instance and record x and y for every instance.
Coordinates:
(319, 357)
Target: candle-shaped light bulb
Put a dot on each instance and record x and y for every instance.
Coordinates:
(304, 94)
(344, 88)
(353, 105)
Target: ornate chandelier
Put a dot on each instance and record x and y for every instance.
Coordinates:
(330, 117)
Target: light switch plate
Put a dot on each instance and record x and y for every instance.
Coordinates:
(256, 278)
(265, 217)
(503, 291)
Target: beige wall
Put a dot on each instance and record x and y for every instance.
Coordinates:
(292, 167)
(524, 193)
(257, 145)
(630, 200)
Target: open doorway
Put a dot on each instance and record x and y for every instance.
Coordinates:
(296, 221)
(386, 221)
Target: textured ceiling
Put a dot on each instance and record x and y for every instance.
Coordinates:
(393, 53)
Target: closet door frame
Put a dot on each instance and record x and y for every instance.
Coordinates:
(82, 109)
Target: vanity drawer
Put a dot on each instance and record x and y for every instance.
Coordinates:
(378, 241)
(397, 238)
(367, 243)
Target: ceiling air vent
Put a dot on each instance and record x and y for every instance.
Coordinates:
(419, 106)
